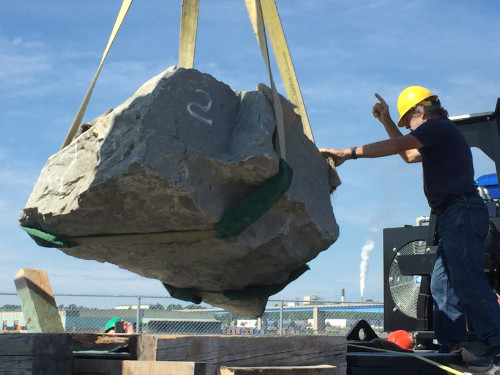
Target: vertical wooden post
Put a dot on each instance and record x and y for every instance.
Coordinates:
(318, 320)
(262, 323)
(280, 327)
(37, 301)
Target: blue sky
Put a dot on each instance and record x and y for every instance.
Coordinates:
(343, 52)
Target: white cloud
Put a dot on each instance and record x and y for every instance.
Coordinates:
(16, 179)
(21, 63)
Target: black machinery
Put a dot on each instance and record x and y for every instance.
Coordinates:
(409, 251)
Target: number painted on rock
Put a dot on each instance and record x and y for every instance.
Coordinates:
(204, 108)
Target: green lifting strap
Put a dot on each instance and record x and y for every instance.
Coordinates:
(46, 239)
(257, 204)
(251, 292)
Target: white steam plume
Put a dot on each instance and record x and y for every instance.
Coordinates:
(363, 267)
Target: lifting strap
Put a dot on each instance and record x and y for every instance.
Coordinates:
(256, 18)
(283, 58)
(83, 107)
(189, 26)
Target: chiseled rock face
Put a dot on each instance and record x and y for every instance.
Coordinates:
(179, 155)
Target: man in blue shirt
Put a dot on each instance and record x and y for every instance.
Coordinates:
(458, 284)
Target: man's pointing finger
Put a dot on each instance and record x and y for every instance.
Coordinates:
(381, 100)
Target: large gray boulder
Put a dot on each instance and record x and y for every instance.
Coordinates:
(177, 157)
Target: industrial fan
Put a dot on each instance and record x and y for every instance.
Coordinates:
(405, 288)
(406, 278)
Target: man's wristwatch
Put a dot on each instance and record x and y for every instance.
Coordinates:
(353, 153)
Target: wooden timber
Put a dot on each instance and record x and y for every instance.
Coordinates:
(244, 351)
(35, 354)
(37, 301)
(118, 367)
(97, 341)
(64, 353)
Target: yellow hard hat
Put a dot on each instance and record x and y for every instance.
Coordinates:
(410, 97)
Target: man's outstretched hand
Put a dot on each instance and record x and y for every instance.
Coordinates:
(338, 156)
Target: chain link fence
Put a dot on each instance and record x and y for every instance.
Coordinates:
(89, 313)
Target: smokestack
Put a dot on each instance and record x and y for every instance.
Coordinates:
(342, 295)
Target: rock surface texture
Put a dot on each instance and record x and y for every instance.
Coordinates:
(178, 156)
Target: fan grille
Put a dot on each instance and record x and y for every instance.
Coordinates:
(405, 288)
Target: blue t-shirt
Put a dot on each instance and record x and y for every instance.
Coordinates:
(446, 161)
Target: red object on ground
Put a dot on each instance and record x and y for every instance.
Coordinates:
(401, 338)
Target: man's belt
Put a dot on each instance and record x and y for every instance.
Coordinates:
(439, 210)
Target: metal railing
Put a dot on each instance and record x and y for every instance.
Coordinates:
(88, 313)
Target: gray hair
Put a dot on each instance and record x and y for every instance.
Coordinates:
(432, 110)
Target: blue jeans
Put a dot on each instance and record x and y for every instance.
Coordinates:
(458, 283)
